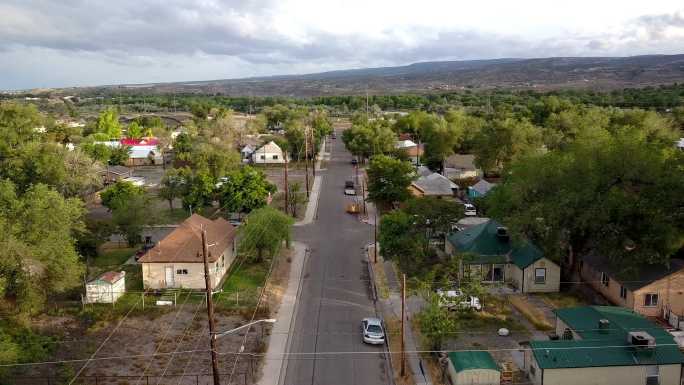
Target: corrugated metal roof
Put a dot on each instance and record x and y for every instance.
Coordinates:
(607, 347)
(472, 360)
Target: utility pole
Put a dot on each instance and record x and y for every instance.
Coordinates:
(363, 197)
(306, 160)
(287, 185)
(210, 310)
(403, 318)
(375, 236)
(314, 152)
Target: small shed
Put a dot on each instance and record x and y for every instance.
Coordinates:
(107, 288)
(473, 368)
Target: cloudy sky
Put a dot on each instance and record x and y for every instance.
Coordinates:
(54, 43)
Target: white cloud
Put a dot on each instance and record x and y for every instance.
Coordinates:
(77, 42)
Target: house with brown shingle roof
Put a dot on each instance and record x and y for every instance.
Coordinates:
(176, 261)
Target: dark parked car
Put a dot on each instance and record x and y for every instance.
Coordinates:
(355, 161)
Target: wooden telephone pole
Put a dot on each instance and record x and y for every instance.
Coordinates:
(287, 186)
(314, 152)
(403, 319)
(306, 160)
(210, 310)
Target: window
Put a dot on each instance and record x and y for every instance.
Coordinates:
(623, 292)
(652, 375)
(540, 276)
(275, 157)
(181, 271)
(263, 157)
(604, 279)
(651, 300)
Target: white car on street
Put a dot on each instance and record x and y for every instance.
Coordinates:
(373, 333)
(456, 300)
(469, 210)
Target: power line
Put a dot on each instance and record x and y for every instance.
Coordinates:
(168, 329)
(314, 355)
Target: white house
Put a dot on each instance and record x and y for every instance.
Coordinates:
(177, 262)
(247, 152)
(107, 288)
(268, 153)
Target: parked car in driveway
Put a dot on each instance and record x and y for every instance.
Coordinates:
(354, 161)
(469, 210)
(456, 300)
(334, 135)
(349, 188)
(373, 332)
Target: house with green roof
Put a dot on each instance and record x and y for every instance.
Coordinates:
(605, 345)
(473, 368)
(487, 251)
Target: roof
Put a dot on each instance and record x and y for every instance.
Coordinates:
(405, 143)
(110, 277)
(435, 184)
(184, 244)
(247, 148)
(605, 347)
(143, 151)
(472, 360)
(482, 186)
(269, 147)
(461, 162)
(140, 142)
(648, 273)
(486, 246)
(118, 170)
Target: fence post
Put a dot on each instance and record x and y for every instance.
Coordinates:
(97, 380)
(197, 379)
(147, 378)
(237, 298)
(143, 299)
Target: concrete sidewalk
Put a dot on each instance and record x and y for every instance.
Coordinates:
(278, 341)
(312, 205)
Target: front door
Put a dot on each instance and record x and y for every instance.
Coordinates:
(169, 276)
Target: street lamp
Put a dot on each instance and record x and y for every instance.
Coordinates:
(221, 334)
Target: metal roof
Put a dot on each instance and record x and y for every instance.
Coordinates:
(605, 347)
(469, 360)
(484, 244)
(435, 184)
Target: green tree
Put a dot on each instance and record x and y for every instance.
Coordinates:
(264, 232)
(389, 179)
(120, 155)
(618, 197)
(244, 190)
(108, 123)
(172, 186)
(37, 236)
(17, 126)
(503, 140)
(130, 217)
(135, 131)
(199, 191)
(436, 324)
(119, 193)
(214, 159)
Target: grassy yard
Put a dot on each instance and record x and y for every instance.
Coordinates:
(531, 313)
(496, 314)
(562, 300)
(242, 287)
(112, 257)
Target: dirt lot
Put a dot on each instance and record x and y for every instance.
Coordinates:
(163, 345)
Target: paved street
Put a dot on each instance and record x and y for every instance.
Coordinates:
(334, 295)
